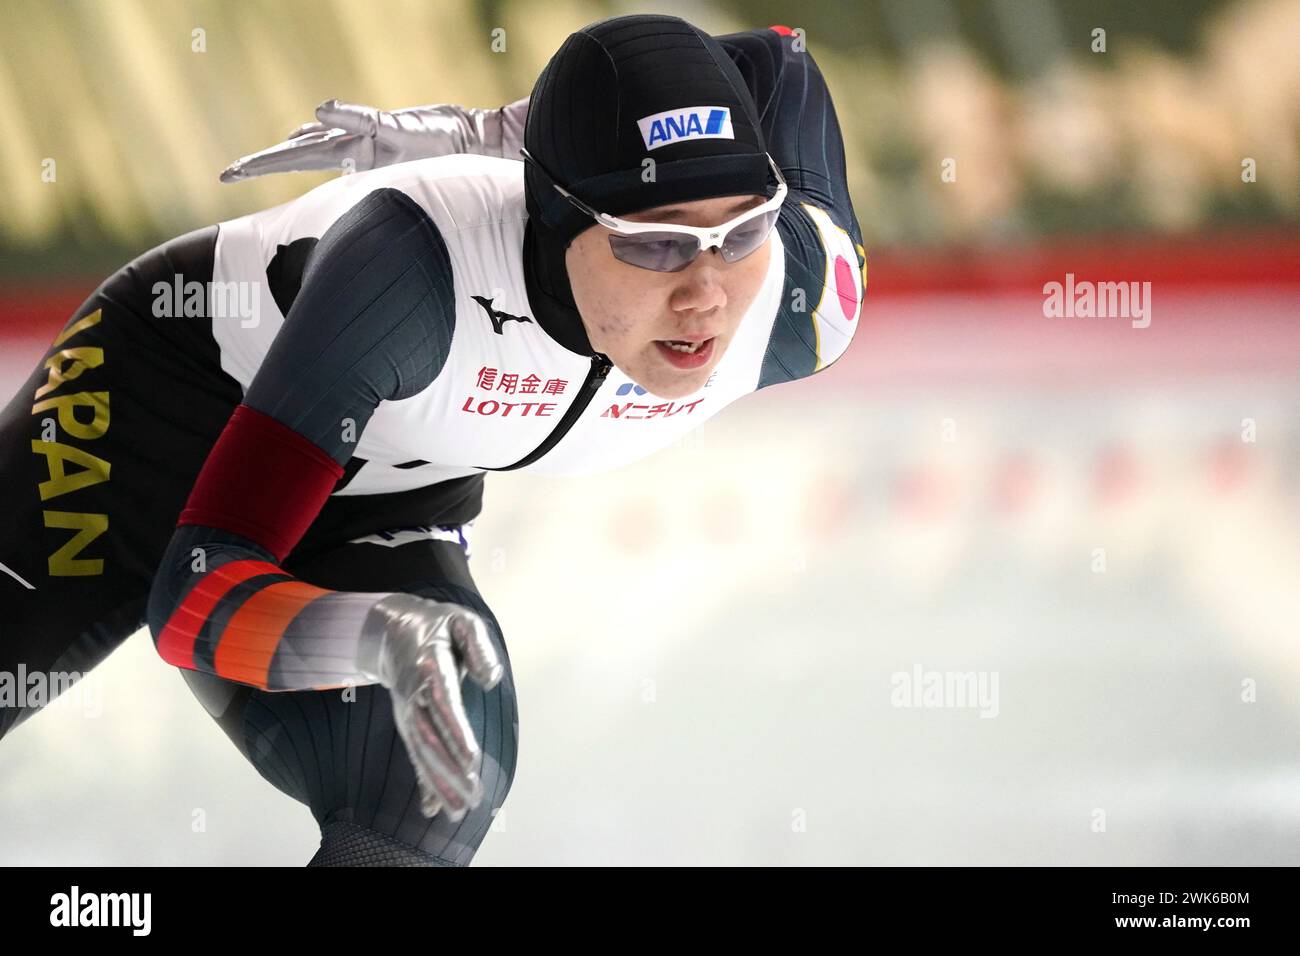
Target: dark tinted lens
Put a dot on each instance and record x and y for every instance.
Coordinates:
(660, 251)
(747, 237)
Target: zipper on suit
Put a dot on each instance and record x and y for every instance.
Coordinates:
(600, 366)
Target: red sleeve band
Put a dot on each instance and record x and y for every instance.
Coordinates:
(262, 480)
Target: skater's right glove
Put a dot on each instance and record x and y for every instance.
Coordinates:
(421, 650)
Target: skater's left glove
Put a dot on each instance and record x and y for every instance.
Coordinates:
(363, 137)
(421, 650)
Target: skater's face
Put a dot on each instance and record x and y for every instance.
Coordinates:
(630, 312)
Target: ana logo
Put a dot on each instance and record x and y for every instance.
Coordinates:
(630, 387)
(498, 318)
(692, 122)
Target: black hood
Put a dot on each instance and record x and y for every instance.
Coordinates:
(546, 280)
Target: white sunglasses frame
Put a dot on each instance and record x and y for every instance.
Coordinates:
(707, 237)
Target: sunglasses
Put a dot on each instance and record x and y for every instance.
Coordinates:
(666, 247)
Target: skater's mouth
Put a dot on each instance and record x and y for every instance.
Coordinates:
(688, 352)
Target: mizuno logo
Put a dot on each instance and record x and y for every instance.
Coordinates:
(498, 318)
(692, 122)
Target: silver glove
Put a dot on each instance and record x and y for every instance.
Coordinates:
(421, 650)
(367, 138)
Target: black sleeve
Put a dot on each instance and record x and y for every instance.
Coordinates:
(373, 321)
(825, 264)
(798, 119)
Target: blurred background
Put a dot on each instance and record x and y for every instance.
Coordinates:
(1099, 517)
